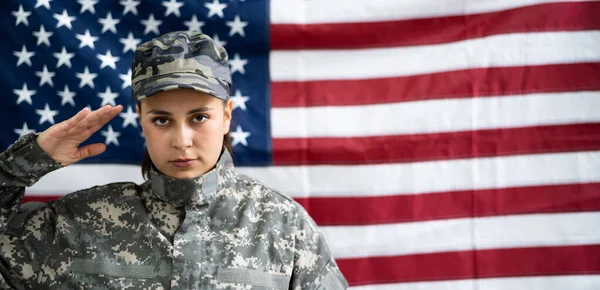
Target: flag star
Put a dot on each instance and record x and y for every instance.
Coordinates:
(109, 23)
(45, 76)
(236, 26)
(24, 131)
(239, 136)
(64, 58)
(108, 60)
(151, 25)
(194, 24)
(129, 117)
(238, 64)
(172, 7)
(218, 41)
(86, 78)
(86, 39)
(130, 6)
(21, 16)
(24, 94)
(64, 19)
(43, 36)
(126, 78)
(47, 115)
(24, 56)
(239, 101)
(108, 97)
(67, 96)
(87, 5)
(215, 8)
(45, 3)
(130, 43)
(111, 136)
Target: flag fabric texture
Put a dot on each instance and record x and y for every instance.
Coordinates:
(438, 144)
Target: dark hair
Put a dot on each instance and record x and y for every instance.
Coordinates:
(147, 161)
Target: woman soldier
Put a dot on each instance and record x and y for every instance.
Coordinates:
(194, 224)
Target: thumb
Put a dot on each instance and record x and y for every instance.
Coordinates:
(91, 150)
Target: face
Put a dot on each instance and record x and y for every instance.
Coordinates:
(184, 131)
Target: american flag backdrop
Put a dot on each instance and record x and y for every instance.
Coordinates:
(444, 144)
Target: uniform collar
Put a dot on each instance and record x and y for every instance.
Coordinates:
(193, 192)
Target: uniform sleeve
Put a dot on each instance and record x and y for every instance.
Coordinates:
(21, 165)
(314, 266)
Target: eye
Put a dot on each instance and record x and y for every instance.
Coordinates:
(199, 118)
(160, 121)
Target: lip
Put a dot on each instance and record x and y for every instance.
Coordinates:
(183, 163)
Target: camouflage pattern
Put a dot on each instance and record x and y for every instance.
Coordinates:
(222, 230)
(180, 59)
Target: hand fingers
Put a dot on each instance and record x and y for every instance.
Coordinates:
(91, 150)
(73, 121)
(95, 120)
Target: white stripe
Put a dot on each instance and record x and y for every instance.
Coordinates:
(436, 116)
(438, 236)
(339, 11)
(372, 180)
(582, 282)
(519, 49)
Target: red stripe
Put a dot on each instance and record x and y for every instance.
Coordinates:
(446, 85)
(436, 146)
(545, 17)
(539, 261)
(452, 205)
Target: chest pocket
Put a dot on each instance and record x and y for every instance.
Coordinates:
(92, 274)
(256, 278)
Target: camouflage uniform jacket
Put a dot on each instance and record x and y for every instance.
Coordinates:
(219, 231)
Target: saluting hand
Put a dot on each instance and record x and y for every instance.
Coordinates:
(62, 140)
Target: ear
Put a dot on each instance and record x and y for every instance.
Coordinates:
(227, 115)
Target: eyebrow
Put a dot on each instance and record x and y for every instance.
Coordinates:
(190, 112)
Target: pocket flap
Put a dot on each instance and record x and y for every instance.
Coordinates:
(254, 277)
(83, 266)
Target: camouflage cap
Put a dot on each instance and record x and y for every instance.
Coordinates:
(180, 60)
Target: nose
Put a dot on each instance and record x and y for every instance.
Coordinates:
(182, 138)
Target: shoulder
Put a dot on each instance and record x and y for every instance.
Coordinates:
(118, 193)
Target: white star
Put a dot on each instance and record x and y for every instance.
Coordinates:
(238, 64)
(129, 117)
(64, 58)
(46, 114)
(126, 78)
(109, 23)
(108, 60)
(108, 97)
(194, 24)
(24, 131)
(130, 42)
(151, 25)
(45, 3)
(24, 94)
(87, 5)
(86, 78)
(21, 16)
(239, 101)
(237, 26)
(45, 76)
(111, 136)
(130, 6)
(86, 39)
(172, 7)
(43, 36)
(24, 56)
(67, 96)
(218, 41)
(239, 136)
(64, 19)
(215, 8)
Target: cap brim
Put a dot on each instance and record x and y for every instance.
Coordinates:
(166, 82)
